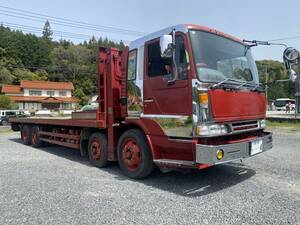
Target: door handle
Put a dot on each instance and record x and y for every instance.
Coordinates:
(148, 100)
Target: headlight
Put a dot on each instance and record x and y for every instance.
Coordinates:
(263, 124)
(211, 130)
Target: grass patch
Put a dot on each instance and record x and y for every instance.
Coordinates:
(284, 125)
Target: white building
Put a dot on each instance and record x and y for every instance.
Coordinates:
(41, 95)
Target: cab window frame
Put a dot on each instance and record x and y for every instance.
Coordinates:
(135, 66)
(156, 41)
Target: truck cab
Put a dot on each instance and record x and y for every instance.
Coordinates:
(212, 112)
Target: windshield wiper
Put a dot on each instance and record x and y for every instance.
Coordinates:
(224, 81)
(255, 88)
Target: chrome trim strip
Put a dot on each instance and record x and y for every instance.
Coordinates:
(173, 125)
(174, 162)
(161, 116)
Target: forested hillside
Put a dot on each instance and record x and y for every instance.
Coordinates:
(26, 56)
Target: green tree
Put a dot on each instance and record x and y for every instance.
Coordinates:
(47, 31)
(83, 99)
(275, 71)
(5, 102)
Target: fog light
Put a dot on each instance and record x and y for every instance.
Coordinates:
(220, 154)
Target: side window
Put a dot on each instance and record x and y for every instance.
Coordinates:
(158, 66)
(132, 64)
(10, 113)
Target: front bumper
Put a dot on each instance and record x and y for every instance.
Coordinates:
(206, 154)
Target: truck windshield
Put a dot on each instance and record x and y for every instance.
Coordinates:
(218, 58)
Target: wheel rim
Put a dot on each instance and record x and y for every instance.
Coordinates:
(25, 135)
(34, 138)
(96, 149)
(131, 154)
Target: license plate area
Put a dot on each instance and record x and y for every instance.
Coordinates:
(256, 147)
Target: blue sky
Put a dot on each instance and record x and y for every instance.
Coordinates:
(261, 20)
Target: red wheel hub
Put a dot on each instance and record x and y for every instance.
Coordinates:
(25, 135)
(33, 138)
(131, 154)
(96, 149)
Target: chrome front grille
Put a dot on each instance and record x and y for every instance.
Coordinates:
(244, 126)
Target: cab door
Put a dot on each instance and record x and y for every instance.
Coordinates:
(161, 97)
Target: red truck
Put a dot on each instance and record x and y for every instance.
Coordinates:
(187, 96)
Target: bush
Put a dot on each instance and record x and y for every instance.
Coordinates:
(6, 103)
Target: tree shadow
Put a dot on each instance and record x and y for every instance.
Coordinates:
(188, 183)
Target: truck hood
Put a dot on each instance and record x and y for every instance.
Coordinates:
(237, 105)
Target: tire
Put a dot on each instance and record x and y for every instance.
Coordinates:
(4, 122)
(98, 150)
(35, 137)
(26, 135)
(134, 155)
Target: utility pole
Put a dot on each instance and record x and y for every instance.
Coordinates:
(297, 95)
(267, 78)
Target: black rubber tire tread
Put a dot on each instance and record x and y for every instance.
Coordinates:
(147, 166)
(38, 143)
(103, 162)
(26, 128)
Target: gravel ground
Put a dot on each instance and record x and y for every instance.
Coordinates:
(54, 185)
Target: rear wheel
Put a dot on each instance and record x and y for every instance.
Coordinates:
(4, 122)
(26, 135)
(134, 154)
(98, 150)
(35, 137)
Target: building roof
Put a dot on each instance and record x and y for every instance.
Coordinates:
(43, 99)
(47, 85)
(11, 89)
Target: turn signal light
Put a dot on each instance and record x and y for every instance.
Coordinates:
(203, 99)
(220, 154)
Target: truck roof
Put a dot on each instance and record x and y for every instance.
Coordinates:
(182, 28)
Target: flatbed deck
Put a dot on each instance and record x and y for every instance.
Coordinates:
(59, 121)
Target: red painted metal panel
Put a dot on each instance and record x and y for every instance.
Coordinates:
(237, 105)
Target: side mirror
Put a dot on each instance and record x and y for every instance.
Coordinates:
(166, 49)
(291, 57)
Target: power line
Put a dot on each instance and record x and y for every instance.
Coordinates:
(286, 38)
(56, 33)
(13, 12)
(73, 21)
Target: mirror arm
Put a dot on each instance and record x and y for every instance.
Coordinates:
(175, 71)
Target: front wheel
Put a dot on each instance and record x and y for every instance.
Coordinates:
(134, 156)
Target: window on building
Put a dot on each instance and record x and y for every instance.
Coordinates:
(35, 92)
(50, 93)
(62, 93)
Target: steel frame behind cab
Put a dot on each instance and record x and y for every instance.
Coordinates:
(112, 93)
